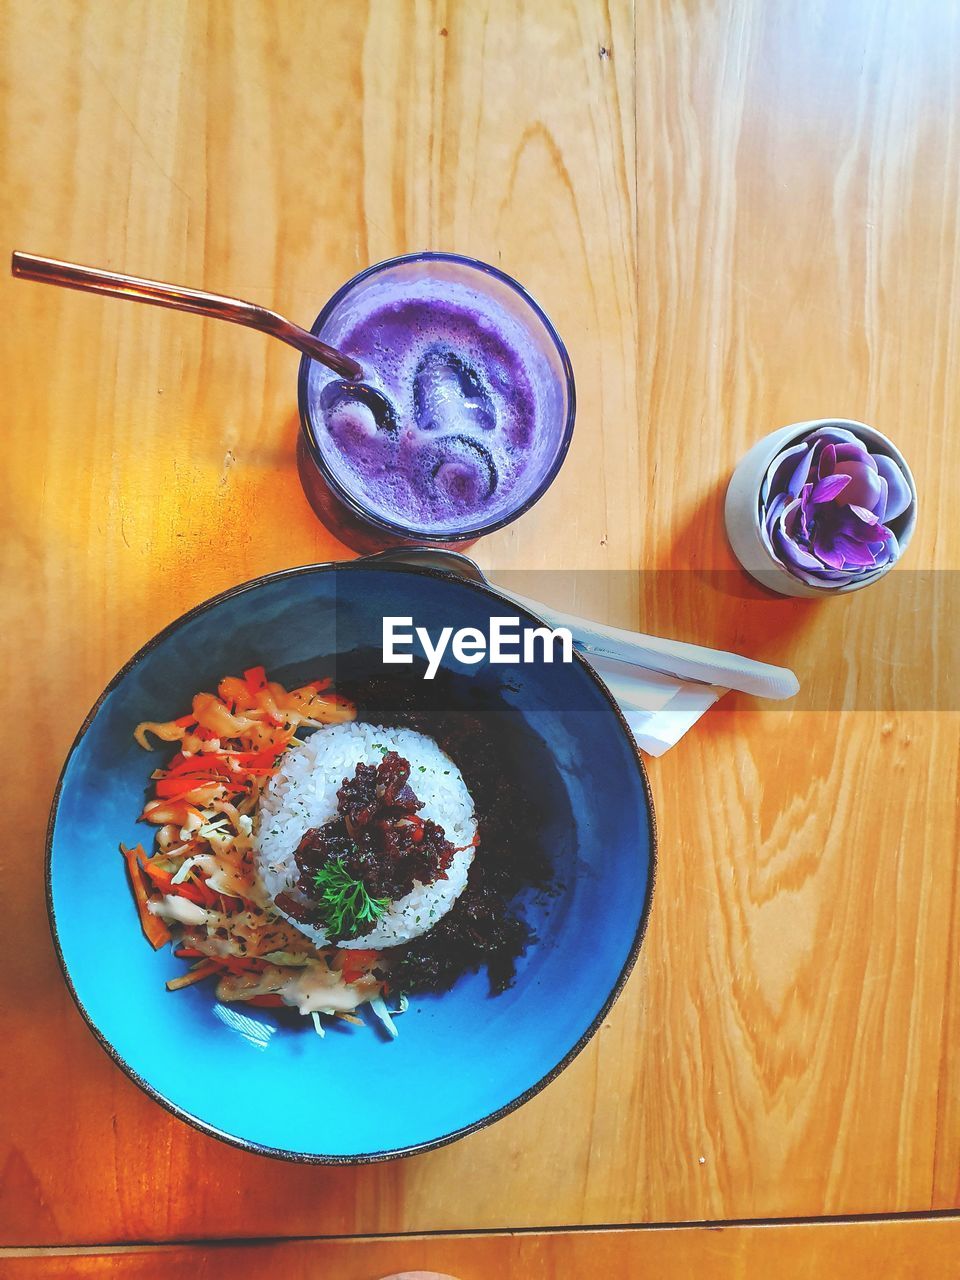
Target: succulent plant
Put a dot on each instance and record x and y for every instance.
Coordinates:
(826, 506)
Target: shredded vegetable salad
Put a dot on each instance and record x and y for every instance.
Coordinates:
(199, 889)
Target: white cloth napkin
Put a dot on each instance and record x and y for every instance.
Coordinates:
(659, 709)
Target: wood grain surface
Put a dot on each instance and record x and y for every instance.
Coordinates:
(917, 1250)
(738, 216)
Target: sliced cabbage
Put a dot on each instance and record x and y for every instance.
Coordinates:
(288, 958)
(379, 1007)
(186, 866)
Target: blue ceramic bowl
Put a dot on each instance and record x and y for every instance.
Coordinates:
(463, 1058)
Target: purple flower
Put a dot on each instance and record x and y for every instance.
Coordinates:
(826, 504)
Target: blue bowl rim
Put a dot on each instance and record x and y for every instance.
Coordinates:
(346, 495)
(281, 1153)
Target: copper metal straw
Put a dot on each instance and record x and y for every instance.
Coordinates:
(28, 266)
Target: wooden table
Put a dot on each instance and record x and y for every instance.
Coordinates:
(738, 215)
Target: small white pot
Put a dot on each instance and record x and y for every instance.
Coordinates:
(741, 510)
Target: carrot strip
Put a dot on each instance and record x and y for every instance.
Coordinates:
(161, 879)
(196, 974)
(155, 931)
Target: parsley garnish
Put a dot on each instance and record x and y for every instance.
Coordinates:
(344, 902)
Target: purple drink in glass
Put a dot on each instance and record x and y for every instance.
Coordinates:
(464, 414)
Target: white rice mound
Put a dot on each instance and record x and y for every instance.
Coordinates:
(303, 794)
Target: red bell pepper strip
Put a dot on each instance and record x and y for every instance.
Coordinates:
(255, 678)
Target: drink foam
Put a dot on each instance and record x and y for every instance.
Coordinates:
(456, 424)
